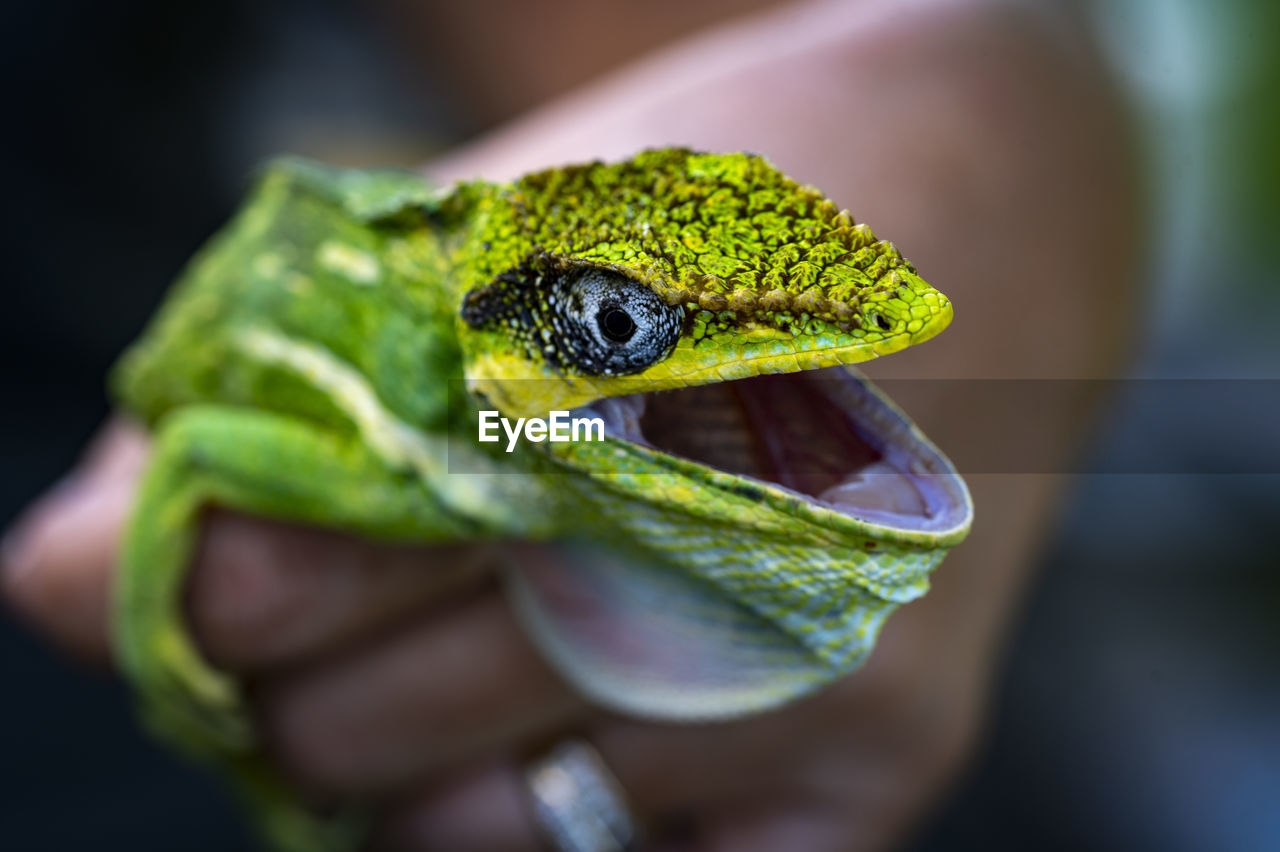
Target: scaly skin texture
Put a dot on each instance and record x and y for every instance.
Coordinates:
(722, 233)
(322, 360)
(759, 261)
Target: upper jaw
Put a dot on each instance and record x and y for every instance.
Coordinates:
(762, 350)
(826, 438)
(525, 387)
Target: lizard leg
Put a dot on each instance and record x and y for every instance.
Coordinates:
(265, 464)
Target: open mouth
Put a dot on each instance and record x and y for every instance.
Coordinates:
(826, 435)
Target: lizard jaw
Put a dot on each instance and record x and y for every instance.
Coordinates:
(826, 435)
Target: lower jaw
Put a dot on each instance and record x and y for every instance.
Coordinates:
(825, 434)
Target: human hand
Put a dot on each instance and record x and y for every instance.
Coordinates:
(399, 674)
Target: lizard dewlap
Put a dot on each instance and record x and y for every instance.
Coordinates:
(742, 518)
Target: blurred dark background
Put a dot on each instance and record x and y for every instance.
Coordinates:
(1140, 705)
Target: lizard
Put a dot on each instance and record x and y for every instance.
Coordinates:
(751, 513)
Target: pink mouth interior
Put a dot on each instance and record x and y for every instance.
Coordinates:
(822, 434)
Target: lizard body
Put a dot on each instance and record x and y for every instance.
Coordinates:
(753, 514)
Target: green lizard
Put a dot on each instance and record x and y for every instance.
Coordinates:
(749, 517)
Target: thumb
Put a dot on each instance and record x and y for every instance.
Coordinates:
(57, 561)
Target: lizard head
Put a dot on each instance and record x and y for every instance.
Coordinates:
(692, 300)
(704, 308)
(675, 269)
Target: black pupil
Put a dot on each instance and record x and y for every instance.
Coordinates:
(617, 324)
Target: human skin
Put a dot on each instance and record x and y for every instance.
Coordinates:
(987, 144)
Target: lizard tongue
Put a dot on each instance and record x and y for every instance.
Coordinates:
(880, 489)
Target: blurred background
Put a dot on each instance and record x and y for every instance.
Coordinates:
(1139, 706)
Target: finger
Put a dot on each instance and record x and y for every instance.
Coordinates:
(483, 809)
(810, 776)
(668, 773)
(489, 807)
(59, 559)
(455, 686)
(265, 594)
(771, 825)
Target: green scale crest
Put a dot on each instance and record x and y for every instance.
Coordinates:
(727, 234)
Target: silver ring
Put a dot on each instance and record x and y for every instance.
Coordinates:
(578, 803)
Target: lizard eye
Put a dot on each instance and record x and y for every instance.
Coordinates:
(612, 325)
